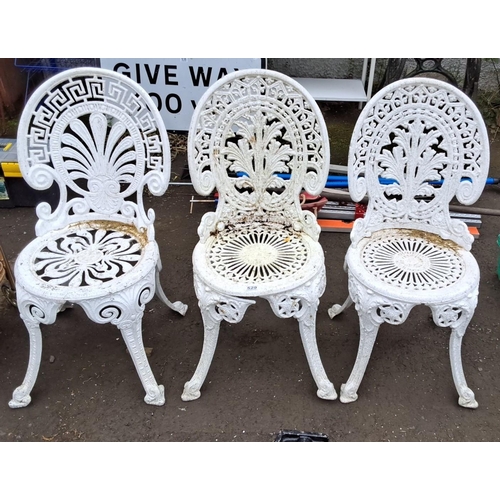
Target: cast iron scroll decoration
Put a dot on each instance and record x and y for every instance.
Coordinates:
(99, 136)
(258, 138)
(259, 141)
(101, 141)
(426, 142)
(418, 143)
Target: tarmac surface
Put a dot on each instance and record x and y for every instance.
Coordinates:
(259, 382)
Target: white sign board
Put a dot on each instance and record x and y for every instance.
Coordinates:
(176, 85)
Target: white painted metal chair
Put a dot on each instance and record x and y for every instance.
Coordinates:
(258, 137)
(418, 143)
(99, 136)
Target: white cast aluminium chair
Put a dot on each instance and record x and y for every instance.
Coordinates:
(99, 136)
(418, 143)
(258, 138)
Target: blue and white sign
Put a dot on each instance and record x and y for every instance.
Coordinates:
(176, 85)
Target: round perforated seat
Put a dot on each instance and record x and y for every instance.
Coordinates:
(257, 261)
(407, 264)
(85, 260)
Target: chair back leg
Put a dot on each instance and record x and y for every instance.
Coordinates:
(177, 306)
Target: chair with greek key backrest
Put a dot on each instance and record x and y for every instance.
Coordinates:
(258, 138)
(418, 143)
(99, 136)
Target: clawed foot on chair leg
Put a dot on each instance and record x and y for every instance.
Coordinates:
(348, 394)
(327, 391)
(20, 398)
(175, 306)
(467, 398)
(21, 395)
(191, 390)
(155, 396)
(132, 335)
(336, 309)
(179, 307)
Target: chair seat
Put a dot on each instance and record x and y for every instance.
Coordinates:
(257, 261)
(85, 260)
(414, 266)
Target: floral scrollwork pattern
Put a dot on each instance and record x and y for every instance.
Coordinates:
(375, 306)
(219, 306)
(456, 314)
(419, 143)
(395, 314)
(300, 301)
(259, 139)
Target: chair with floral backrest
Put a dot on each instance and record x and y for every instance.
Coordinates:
(99, 136)
(418, 143)
(258, 138)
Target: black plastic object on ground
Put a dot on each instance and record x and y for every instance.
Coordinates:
(300, 437)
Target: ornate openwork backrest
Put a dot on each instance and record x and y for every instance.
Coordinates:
(99, 136)
(258, 137)
(418, 143)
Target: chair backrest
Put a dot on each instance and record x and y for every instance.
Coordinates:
(259, 138)
(418, 143)
(100, 137)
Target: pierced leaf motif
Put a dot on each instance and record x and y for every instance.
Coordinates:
(413, 145)
(413, 162)
(258, 156)
(103, 158)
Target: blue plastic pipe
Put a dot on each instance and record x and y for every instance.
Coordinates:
(340, 181)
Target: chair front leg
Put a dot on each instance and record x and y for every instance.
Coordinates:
(21, 395)
(458, 318)
(373, 310)
(211, 326)
(302, 304)
(307, 327)
(368, 329)
(125, 310)
(131, 331)
(214, 308)
(33, 312)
